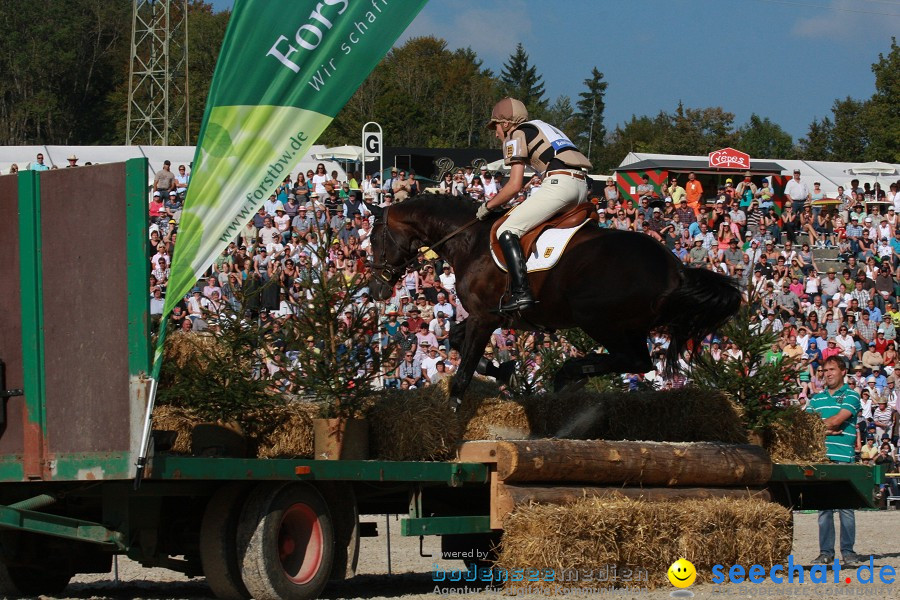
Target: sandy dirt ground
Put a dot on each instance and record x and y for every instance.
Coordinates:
(411, 574)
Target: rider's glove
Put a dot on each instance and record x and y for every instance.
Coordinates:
(483, 212)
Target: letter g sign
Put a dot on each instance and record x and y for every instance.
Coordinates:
(372, 144)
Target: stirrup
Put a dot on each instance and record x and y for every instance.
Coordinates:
(515, 305)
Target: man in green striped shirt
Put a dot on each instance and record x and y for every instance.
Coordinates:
(838, 406)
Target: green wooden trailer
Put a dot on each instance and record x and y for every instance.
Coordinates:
(75, 351)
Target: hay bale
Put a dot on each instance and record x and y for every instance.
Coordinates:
(413, 425)
(285, 431)
(800, 437)
(180, 420)
(636, 534)
(497, 419)
(683, 415)
(183, 346)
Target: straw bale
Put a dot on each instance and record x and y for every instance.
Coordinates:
(497, 419)
(636, 534)
(285, 431)
(181, 347)
(798, 438)
(682, 415)
(413, 425)
(180, 420)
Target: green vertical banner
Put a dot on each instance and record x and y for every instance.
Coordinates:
(285, 70)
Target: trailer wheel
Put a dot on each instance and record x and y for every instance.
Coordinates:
(286, 541)
(18, 581)
(218, 542)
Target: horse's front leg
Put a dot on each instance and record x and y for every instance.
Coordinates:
(478, 332)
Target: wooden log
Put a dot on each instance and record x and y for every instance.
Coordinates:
(505, 497)
(626, 463)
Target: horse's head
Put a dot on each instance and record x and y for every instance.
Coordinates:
(392, 250)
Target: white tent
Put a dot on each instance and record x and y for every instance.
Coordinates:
(829, 174)
(353, 153)
(498, 165)
(23, 156)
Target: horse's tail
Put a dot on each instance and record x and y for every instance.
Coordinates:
(703, 302)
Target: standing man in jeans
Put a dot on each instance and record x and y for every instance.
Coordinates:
(838, 406)
(798, 192)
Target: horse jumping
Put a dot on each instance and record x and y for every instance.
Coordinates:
(615, 285)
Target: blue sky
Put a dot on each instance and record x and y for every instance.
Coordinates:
(783, 59)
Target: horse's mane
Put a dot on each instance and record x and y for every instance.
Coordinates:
(441, 209)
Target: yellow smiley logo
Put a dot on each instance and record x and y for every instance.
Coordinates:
(682, 573)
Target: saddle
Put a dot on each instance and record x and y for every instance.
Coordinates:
(575, 216)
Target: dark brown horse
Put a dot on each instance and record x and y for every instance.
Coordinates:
(615, 285)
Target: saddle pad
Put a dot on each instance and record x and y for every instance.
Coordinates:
(549, 246)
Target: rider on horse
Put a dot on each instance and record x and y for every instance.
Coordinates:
(565, 183)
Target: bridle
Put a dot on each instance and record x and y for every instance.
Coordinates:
(387, 273)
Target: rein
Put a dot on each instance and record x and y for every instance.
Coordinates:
(384, 272)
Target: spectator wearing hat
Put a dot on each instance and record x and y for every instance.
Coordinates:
(655, 224)
(387, 186)
(336, 223)
(303, 222)
(830, 285)
(410, 369)
(291, 206)
(693, 192)
(645, 189)
(787, 302)
(414, 318)
(883, 416)
(282, 223)
(173, 205)
(871, 358)
(733, 256)
(746, 190)
(685, 212)
(489, 182)
(765, 194)
(157, 213)
(425, 339)
(271, 205)
(798, 192)
(469, 175)
(392, 325)
(163, 182)
(73, 162)
(869, 451)
(405, 339)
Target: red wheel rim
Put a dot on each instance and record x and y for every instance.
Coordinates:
(300, 543)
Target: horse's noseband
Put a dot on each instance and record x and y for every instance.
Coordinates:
(382, 271)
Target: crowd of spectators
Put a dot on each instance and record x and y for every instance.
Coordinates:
(281, 243)
(846, 304)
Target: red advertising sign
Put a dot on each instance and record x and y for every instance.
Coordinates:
(729, 158)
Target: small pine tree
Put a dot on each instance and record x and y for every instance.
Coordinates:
(220, 374)
(760, 386)
(327, 337)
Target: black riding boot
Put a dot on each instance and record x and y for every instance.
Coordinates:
(520, 297)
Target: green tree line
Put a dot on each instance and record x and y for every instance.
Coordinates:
(65, 66)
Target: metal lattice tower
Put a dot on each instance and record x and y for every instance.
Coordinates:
(158, 98)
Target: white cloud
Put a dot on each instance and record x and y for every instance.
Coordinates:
(836, 21)
(492, 32)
